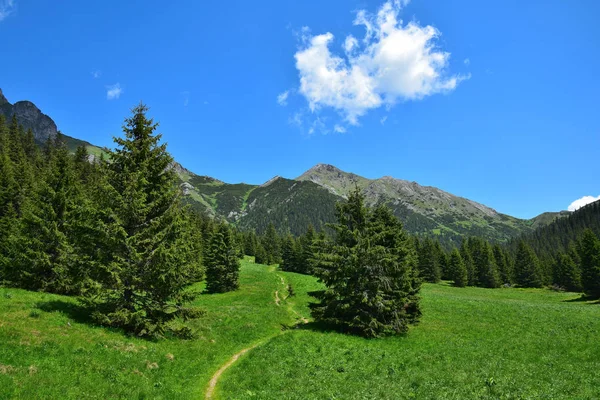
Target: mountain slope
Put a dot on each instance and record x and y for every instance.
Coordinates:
(427, 210)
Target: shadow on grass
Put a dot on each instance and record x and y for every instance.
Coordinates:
(583, 299)
(76, 312)
(322, 327)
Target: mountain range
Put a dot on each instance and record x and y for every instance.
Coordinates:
(294, 204)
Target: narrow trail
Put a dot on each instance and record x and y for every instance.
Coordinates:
(214, 380)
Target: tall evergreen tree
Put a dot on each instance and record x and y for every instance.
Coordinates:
(567, 273)
(458, 270)
(369, 271)
(261, 256)
(271, 244)
(527, 267)
(222, 262)
(142, 285)
(484, 263)
(429, 267)
(589, 250)
(503, 264)
(305, 251)
(467, 257)
(47, 246)
(289, 256)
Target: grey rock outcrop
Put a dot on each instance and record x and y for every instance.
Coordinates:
(30, 117)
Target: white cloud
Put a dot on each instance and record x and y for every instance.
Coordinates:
(382, 120)
(467, 62)
(96, 73)
(577, 204)
(394, 62)
(7, 7)
(339, 129)
(282, 98)
(114, 91)
(186, 98)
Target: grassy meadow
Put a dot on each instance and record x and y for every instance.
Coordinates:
(471, 343)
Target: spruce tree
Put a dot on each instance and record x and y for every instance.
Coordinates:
(527, 267)
(369, 273)
(271, 245)
(47, 243)
(503, 264)
(261, 256)
(221, 262)
(142, 285)
(567, 273)
(458, 270)
(465, 253)
(484, 263)
(289, 257)
(429, 267)
(589, 251)
(305, 251)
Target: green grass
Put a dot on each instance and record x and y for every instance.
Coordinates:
(46, 353)
(471, 343)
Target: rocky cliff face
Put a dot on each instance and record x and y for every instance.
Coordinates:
(3, 100)
(30, 117)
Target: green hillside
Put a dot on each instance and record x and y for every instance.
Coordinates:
(292, 204)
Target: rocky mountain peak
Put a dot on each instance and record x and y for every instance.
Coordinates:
(30, 117)
(3, 99)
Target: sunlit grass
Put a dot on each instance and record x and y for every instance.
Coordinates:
(471, 343)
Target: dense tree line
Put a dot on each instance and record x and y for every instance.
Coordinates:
(113, 231)
(573, 265)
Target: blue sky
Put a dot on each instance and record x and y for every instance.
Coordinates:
(493, 101)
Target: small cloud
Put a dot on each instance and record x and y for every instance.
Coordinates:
(585, 200)
(114, 91)
(205, 103)
(339, 129)
(489, 71)
(467, 62)
(7, 7)
(382, 120)
(96, 73)
(186, 98)
(296, 119)
(282, 98)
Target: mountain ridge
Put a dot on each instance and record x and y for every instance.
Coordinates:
(309, 199)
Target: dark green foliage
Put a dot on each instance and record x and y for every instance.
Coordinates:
(552, 239)
(270, 242)
(465, 253)
(428, 261)
(289, 254)
(503, 263)
(221, 262)
(261, 256)
(486, 271)
(589, 251)
(141, 287)
(47, 246)
(457, 268)
(527, 267)
(289, 204)
(369, 272)
(567, 273)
